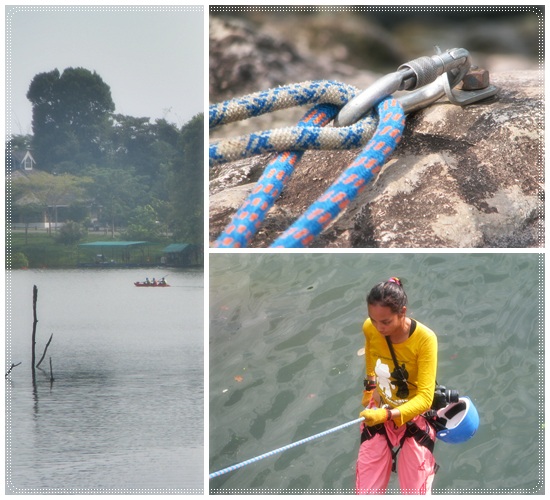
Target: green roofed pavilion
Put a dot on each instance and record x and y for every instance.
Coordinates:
(114, 254)
(176, 247)
(182, 254)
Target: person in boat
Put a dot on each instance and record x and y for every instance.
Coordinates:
(162, 281)
(147, 282)
(399, 389)
(154, 281)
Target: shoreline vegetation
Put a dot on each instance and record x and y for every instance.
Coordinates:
(36, 249)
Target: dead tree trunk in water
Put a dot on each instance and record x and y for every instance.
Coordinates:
(51, 371)
(35, 321)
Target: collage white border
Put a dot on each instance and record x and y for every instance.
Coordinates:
(206, 6)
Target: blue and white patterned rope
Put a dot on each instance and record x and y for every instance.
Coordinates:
(284, 448)
(288, 96)
(287, 138)
(292, 139)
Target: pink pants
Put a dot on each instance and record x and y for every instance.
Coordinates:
(415, 463)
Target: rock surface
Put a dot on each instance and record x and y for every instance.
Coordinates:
(461, 178)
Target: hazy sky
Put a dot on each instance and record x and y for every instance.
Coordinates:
(150, 57)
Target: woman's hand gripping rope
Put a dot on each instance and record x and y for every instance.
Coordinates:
(375, 416)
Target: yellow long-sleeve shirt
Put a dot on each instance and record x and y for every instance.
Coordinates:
(419, 355)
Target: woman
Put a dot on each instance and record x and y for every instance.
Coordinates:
(399, 388)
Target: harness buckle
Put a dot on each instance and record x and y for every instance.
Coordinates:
(428, 79)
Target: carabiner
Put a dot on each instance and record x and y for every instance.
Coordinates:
(429, 77)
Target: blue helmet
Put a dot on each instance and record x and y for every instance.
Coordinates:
(462, 421)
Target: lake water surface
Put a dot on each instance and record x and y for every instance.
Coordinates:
(125, 411)
(285, 331)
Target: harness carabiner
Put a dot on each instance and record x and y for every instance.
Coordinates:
(428, 77)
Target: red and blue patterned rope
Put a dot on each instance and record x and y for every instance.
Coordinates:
(248, 219)
(352, 181)
(308, 134)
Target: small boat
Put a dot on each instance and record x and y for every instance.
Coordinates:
(151, 283)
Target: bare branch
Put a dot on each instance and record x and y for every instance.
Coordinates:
(35, 321)
(12, 367)
(45, 349)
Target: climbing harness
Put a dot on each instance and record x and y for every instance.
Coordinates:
(373, 117)
(455, 423)
(422, 437)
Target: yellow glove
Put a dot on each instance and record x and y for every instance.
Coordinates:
(367, 396)
(375, 416)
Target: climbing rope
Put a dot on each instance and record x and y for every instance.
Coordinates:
(251, 214)
(352, 181)
(284, 448)
(307, 135)
(328, 97)
(429, 77)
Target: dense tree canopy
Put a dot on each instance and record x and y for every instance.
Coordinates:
(187, 181)
(71, 115)
(145, 177)
(118, 191)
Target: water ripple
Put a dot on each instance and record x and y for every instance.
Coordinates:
(285, 331)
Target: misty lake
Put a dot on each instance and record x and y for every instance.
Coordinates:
(125, 411)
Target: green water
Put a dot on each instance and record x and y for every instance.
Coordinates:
(285, 331)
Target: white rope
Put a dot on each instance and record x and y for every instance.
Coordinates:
(284, 448)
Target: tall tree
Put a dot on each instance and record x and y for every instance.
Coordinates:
(70, 118)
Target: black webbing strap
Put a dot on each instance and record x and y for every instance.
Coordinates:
(422, 437)
(392, 352)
